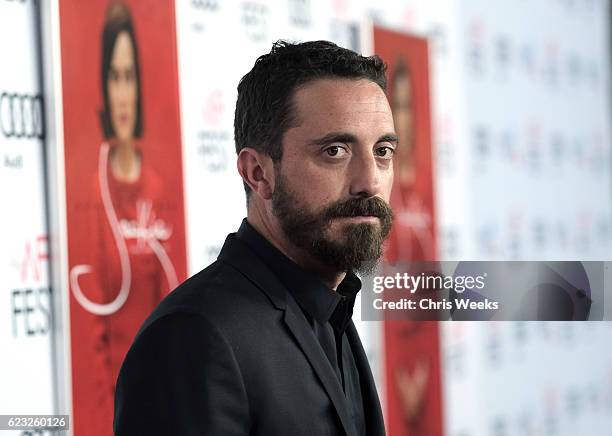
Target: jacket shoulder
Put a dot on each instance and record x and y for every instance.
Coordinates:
(220, 293)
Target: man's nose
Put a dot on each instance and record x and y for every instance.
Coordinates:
(365, 176)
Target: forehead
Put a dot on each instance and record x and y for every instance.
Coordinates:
(123, 50)
(341, 104)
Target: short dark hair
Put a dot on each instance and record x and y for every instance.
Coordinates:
(265, 110)
(118, 19)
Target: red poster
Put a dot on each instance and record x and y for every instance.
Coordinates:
(126, 233)
(412, 355)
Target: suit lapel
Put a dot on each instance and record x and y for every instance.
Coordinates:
(371, 404)
(245, 261)
(240, 256)
(314, 353)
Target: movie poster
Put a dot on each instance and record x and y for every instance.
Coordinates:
(26, 315)
(412, 355)
(124, 191)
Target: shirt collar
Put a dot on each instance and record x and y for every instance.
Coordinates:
(313, 296)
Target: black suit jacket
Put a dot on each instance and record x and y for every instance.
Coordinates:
(229, 352)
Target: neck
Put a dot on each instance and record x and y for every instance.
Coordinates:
(274, 234)
(125, 162)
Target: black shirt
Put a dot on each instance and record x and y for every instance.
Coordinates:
(327, 311)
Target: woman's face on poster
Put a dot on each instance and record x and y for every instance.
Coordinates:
(404, 124)
(402, 109)
(123, 88)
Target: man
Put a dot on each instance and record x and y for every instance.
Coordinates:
(261, 342)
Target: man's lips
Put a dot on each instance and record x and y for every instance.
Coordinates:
(361, 218)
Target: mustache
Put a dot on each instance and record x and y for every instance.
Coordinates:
(372, 206)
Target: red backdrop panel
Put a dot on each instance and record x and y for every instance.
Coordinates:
(412, 349)
(126, 239)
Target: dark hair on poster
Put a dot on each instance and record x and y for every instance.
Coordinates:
(118, 20)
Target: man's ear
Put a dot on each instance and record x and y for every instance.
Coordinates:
(257, 171)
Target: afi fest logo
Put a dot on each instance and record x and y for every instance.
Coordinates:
(476, 55)
(299, 13)
(254, 20)
(213, 141)
(21, 116)
(214, 108)
(205, 5)
(31, 301)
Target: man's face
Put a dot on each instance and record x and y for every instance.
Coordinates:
(333, 183)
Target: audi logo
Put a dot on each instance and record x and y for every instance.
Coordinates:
(21, 115)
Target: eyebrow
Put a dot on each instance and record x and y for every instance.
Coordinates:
(349, 138)
(389, 137)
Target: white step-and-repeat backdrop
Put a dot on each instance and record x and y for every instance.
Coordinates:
(521, 109)
(26, 368)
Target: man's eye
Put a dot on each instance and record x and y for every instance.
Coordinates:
(386, 152)
(334, 151)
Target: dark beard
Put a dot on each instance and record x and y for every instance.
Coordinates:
(359, 246)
